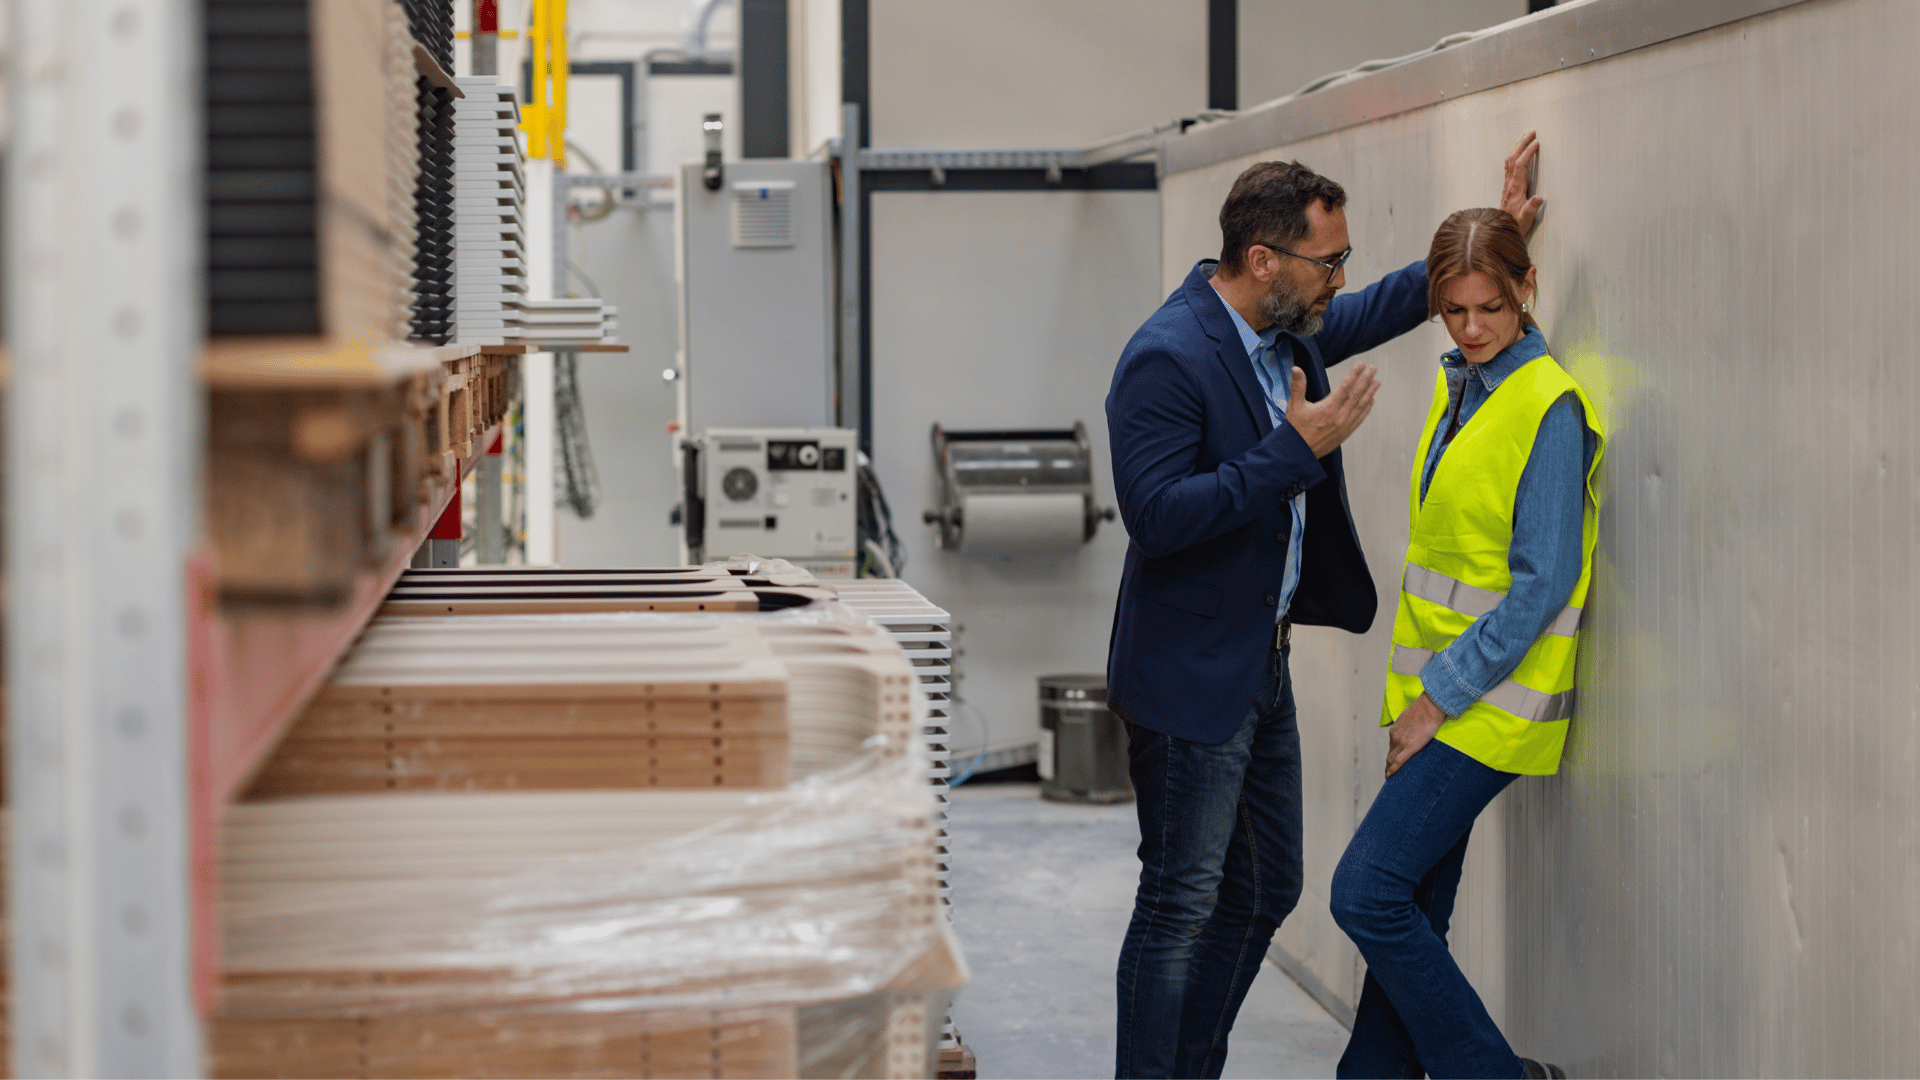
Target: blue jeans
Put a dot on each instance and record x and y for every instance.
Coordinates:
(1219, 869)
(1393, 894)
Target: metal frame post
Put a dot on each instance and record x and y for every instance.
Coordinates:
(105, 310)
(490, 534)
(545, 225)
(852, 202)
(486, 37)
(441, 549)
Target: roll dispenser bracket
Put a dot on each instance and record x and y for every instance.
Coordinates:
(1023, 491)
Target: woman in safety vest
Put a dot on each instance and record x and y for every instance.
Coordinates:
(1503, 514)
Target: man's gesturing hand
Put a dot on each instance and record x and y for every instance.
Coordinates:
(1326, 423)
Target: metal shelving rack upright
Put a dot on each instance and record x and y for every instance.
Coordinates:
(103, 303)
(148, 671)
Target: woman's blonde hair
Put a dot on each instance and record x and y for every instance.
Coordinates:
(1484, 240)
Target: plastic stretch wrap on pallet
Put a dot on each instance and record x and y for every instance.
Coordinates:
(659, 901)
(728, 931)
(798, 926)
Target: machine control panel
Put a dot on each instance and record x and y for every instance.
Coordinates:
(778, 493)
(792, 455)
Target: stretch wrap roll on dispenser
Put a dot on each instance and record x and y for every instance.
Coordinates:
(1022, 524)
(1015, 492)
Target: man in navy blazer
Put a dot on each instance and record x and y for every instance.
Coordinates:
(1225, 436)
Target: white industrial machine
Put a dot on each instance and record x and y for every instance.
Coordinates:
(786, 493)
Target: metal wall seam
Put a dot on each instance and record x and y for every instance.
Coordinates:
(1552, 40)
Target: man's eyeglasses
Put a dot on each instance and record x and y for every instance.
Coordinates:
(1333, 265)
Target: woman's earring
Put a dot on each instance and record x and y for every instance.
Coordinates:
(1526, 308)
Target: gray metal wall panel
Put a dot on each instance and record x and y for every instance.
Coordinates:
(1285, 43)
(1722, 879)
(1005, 309)
(993, 73)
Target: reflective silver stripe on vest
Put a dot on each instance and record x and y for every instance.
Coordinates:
(1471, 600)
(1522, 701)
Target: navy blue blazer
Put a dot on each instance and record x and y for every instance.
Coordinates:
(1203, 479)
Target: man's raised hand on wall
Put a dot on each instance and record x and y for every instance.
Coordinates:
(1515, 197)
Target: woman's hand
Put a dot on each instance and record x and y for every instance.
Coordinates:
(1413, 730)
(1513, 190)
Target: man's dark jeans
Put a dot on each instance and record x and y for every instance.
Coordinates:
(1219, 869)
(1393, 894)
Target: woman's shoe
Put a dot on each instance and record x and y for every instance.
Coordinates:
(1541, 1071)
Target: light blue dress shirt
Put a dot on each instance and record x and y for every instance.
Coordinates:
(1276, 383)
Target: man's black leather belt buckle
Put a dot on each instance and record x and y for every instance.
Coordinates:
(1282, 635)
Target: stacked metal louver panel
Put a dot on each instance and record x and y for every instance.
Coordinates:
(432, 24)
(263, 272)
(433, 272)
(489, 208)
(925, 631)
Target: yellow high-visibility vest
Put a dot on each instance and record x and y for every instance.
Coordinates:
(1456, 571)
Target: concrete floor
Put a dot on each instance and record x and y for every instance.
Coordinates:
(1041, 896)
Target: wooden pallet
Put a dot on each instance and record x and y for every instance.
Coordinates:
(736, 1045)
(478, 393)
(957, 1064)
(883, 1035)
(311, 480)
(306, 488)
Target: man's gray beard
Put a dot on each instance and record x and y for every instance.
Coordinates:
(1289, 312)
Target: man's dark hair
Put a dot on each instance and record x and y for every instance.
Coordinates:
(1268, 205)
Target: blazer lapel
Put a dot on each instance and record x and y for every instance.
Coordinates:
(1308, 358)
(1240, 367)
(1212, 313)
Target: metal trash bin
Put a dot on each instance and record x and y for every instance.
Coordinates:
(1083, 746)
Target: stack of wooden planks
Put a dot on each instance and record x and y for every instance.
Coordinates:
(652, 840)
(499, 702)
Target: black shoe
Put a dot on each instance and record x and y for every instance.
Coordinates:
(1539, 1071)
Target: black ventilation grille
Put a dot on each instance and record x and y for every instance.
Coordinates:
(263, 264)
(433, 203)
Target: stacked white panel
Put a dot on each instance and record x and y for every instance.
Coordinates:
(926, 633)
(489, 191)
(573, 320)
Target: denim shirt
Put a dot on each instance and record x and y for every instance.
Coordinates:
(1548, 513)
(1263, 350)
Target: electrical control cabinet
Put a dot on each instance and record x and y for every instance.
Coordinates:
(757, 295)
(787, 493)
